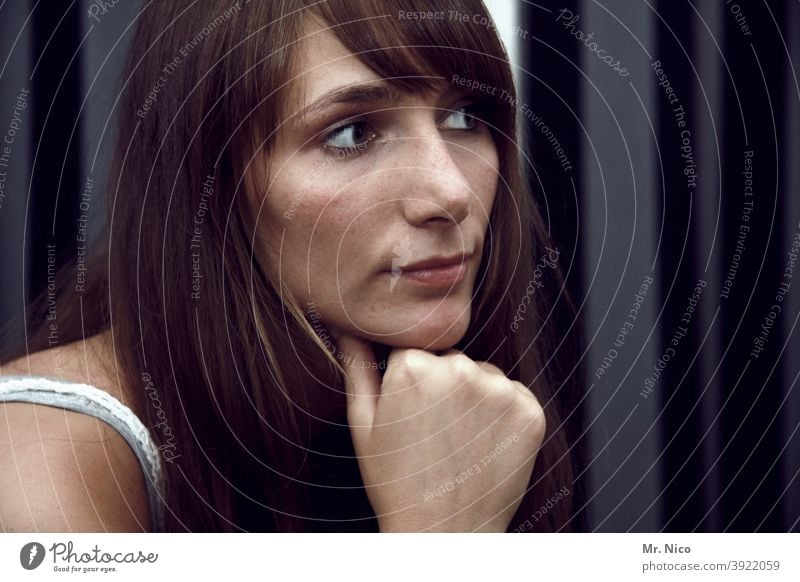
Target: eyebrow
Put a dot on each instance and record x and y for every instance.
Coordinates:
(365, 92)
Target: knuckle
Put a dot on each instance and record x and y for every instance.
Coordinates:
(412, 363)
(529, 397)
(462, 368)
(500, 392)
(491, 368)
(535, 419)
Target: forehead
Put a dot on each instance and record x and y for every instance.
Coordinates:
(323, 63)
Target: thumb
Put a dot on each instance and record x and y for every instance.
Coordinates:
(362, 379)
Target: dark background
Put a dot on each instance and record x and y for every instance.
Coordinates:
(713, 446)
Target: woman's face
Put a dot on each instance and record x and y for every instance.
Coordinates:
(368, 186)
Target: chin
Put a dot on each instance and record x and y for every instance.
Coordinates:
(434, 333)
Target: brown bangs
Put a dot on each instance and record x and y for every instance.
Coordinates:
(410, 52)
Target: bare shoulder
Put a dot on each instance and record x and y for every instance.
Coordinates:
(87, 362)
(64, 470)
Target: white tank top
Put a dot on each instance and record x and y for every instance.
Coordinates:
(100, 404)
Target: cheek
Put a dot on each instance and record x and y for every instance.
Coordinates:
(318, 230)
(485, 188)
(485, 191)
(480, 165)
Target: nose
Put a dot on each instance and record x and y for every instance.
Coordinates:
(438, 194)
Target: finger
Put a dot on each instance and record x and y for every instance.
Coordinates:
(362, 379)
(485, 366)
(490, 368)
(525, 390)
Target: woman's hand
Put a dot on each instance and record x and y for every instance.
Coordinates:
(443, 443)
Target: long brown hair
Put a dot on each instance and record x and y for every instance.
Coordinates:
(203, 91)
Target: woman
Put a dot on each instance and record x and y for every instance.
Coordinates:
(317, 245)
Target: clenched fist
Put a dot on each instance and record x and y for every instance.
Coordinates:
(444, 443)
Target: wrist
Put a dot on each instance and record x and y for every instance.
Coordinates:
(438, 525)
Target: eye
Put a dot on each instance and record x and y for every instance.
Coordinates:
(350, 139)
(464, 117)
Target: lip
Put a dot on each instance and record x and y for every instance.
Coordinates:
(436, 262)
(437, 272)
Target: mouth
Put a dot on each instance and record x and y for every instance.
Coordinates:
(436, 262)
(436, 272)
